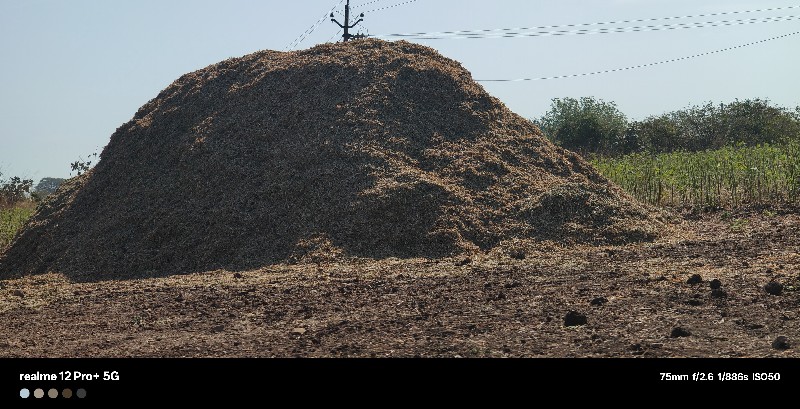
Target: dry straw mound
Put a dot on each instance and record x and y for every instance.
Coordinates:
(364, 149)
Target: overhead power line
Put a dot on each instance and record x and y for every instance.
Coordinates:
(337, 34)
(642, 20)
(390, 7)
(645, 65)
(631, 29)
(311, 29)
(367, 3)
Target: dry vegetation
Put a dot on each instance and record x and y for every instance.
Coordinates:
(364, 149)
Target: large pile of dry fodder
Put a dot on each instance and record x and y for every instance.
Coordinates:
(361, 149)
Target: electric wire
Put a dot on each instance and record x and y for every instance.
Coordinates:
(643, 65)
(335, 35)
(642, 20)
(367, 3)
(389, 7)
(311, 29)
(631, 29)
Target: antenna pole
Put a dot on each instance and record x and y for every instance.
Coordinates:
(347, 26)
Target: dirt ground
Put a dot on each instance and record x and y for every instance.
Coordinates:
(635, 298)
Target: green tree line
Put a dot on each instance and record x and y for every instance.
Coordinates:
(592, 126)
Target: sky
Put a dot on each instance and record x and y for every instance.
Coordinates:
(71, 72)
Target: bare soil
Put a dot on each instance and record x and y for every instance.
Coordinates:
(635, 299)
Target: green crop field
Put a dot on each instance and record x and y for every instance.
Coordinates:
(727, 177)
(11, 220)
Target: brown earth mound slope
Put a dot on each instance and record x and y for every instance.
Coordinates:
(363, 149)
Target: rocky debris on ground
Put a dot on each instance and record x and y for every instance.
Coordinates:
(364, 149)
(715, 284)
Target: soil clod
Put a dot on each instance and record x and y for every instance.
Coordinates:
(774, 288)
(598, 301)
(695, 279)
(636, 349)
(679, 332)
(574, 318)
(781, 343)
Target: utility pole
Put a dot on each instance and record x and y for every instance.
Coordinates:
(347, 26)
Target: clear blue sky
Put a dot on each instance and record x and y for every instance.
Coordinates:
(71, 72)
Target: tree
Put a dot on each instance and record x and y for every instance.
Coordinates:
(14, 190)
(755, 122)
(587, 125)
(698, 129)
(658, 134)
(47, 186)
